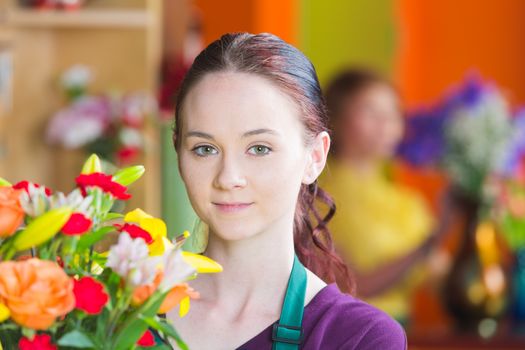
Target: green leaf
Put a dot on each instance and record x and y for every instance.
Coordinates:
(112, 216)
(134, 327)
(514, 231)
(156, 347)
(4, 183)
(166, 328)
(89, 239)
(129, 175)
(28, 333)
(76, 339)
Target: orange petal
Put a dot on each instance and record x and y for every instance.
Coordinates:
(176, 294)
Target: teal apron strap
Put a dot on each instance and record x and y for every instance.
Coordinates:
(288, 333)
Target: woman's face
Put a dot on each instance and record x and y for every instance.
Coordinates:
(242, 154)
(371, 123)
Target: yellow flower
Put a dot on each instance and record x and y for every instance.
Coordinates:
(4, 314)
(155, 227)
(201, 263)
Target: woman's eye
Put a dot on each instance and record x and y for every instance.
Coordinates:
(204, 151)
(259, 150)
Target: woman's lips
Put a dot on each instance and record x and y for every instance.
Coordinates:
(232, 207)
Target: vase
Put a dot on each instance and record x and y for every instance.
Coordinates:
(518, 290)
(476, 288)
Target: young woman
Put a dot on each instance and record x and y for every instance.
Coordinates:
(251, 137)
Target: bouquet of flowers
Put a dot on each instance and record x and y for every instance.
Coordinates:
(473, 136)
(467, 134)
(110, 125)
(60, 288)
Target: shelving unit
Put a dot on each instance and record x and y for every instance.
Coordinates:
(120, 40)
(83, 18)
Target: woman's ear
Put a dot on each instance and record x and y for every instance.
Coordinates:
(318, 152)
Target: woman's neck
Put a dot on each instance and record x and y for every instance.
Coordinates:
(255, 272)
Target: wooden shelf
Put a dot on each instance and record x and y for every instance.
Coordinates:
(94, 18)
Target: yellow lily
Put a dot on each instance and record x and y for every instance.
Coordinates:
(201, 263)
(4, 314)
(155, 227)
(92, 165)
(42, 228)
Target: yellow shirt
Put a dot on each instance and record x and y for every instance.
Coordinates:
(376, 222)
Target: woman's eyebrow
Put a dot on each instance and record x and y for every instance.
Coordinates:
(246, 134)
(260, 131)
(199, 134)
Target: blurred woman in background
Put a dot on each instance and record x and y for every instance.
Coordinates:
(382, 228)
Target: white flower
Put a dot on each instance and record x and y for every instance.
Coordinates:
(76, 76)
(35, 202)
(75, 201)
(130, 260)
(477, 139)
(144, 273)
(176, 270)
(131, 137)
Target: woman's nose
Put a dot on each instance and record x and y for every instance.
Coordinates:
(229, 175)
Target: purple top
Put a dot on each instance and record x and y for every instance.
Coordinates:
(333, 320)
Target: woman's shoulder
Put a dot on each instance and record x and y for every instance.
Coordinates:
(336, 320)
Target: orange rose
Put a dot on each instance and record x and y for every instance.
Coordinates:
(11, 213)
(36, 292)
(174, 297)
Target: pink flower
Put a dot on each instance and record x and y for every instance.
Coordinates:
(82, 122)
(89, 295)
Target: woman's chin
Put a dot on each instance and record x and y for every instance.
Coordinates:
(233, 231)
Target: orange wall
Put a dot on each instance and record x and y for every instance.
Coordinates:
(279, 17)
(440, 40)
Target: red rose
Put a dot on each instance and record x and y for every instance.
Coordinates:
(24, 185)
(77, 224)
(90, 295)
(147, 339)
(135, 231)
(104, 182)
(39, 342)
